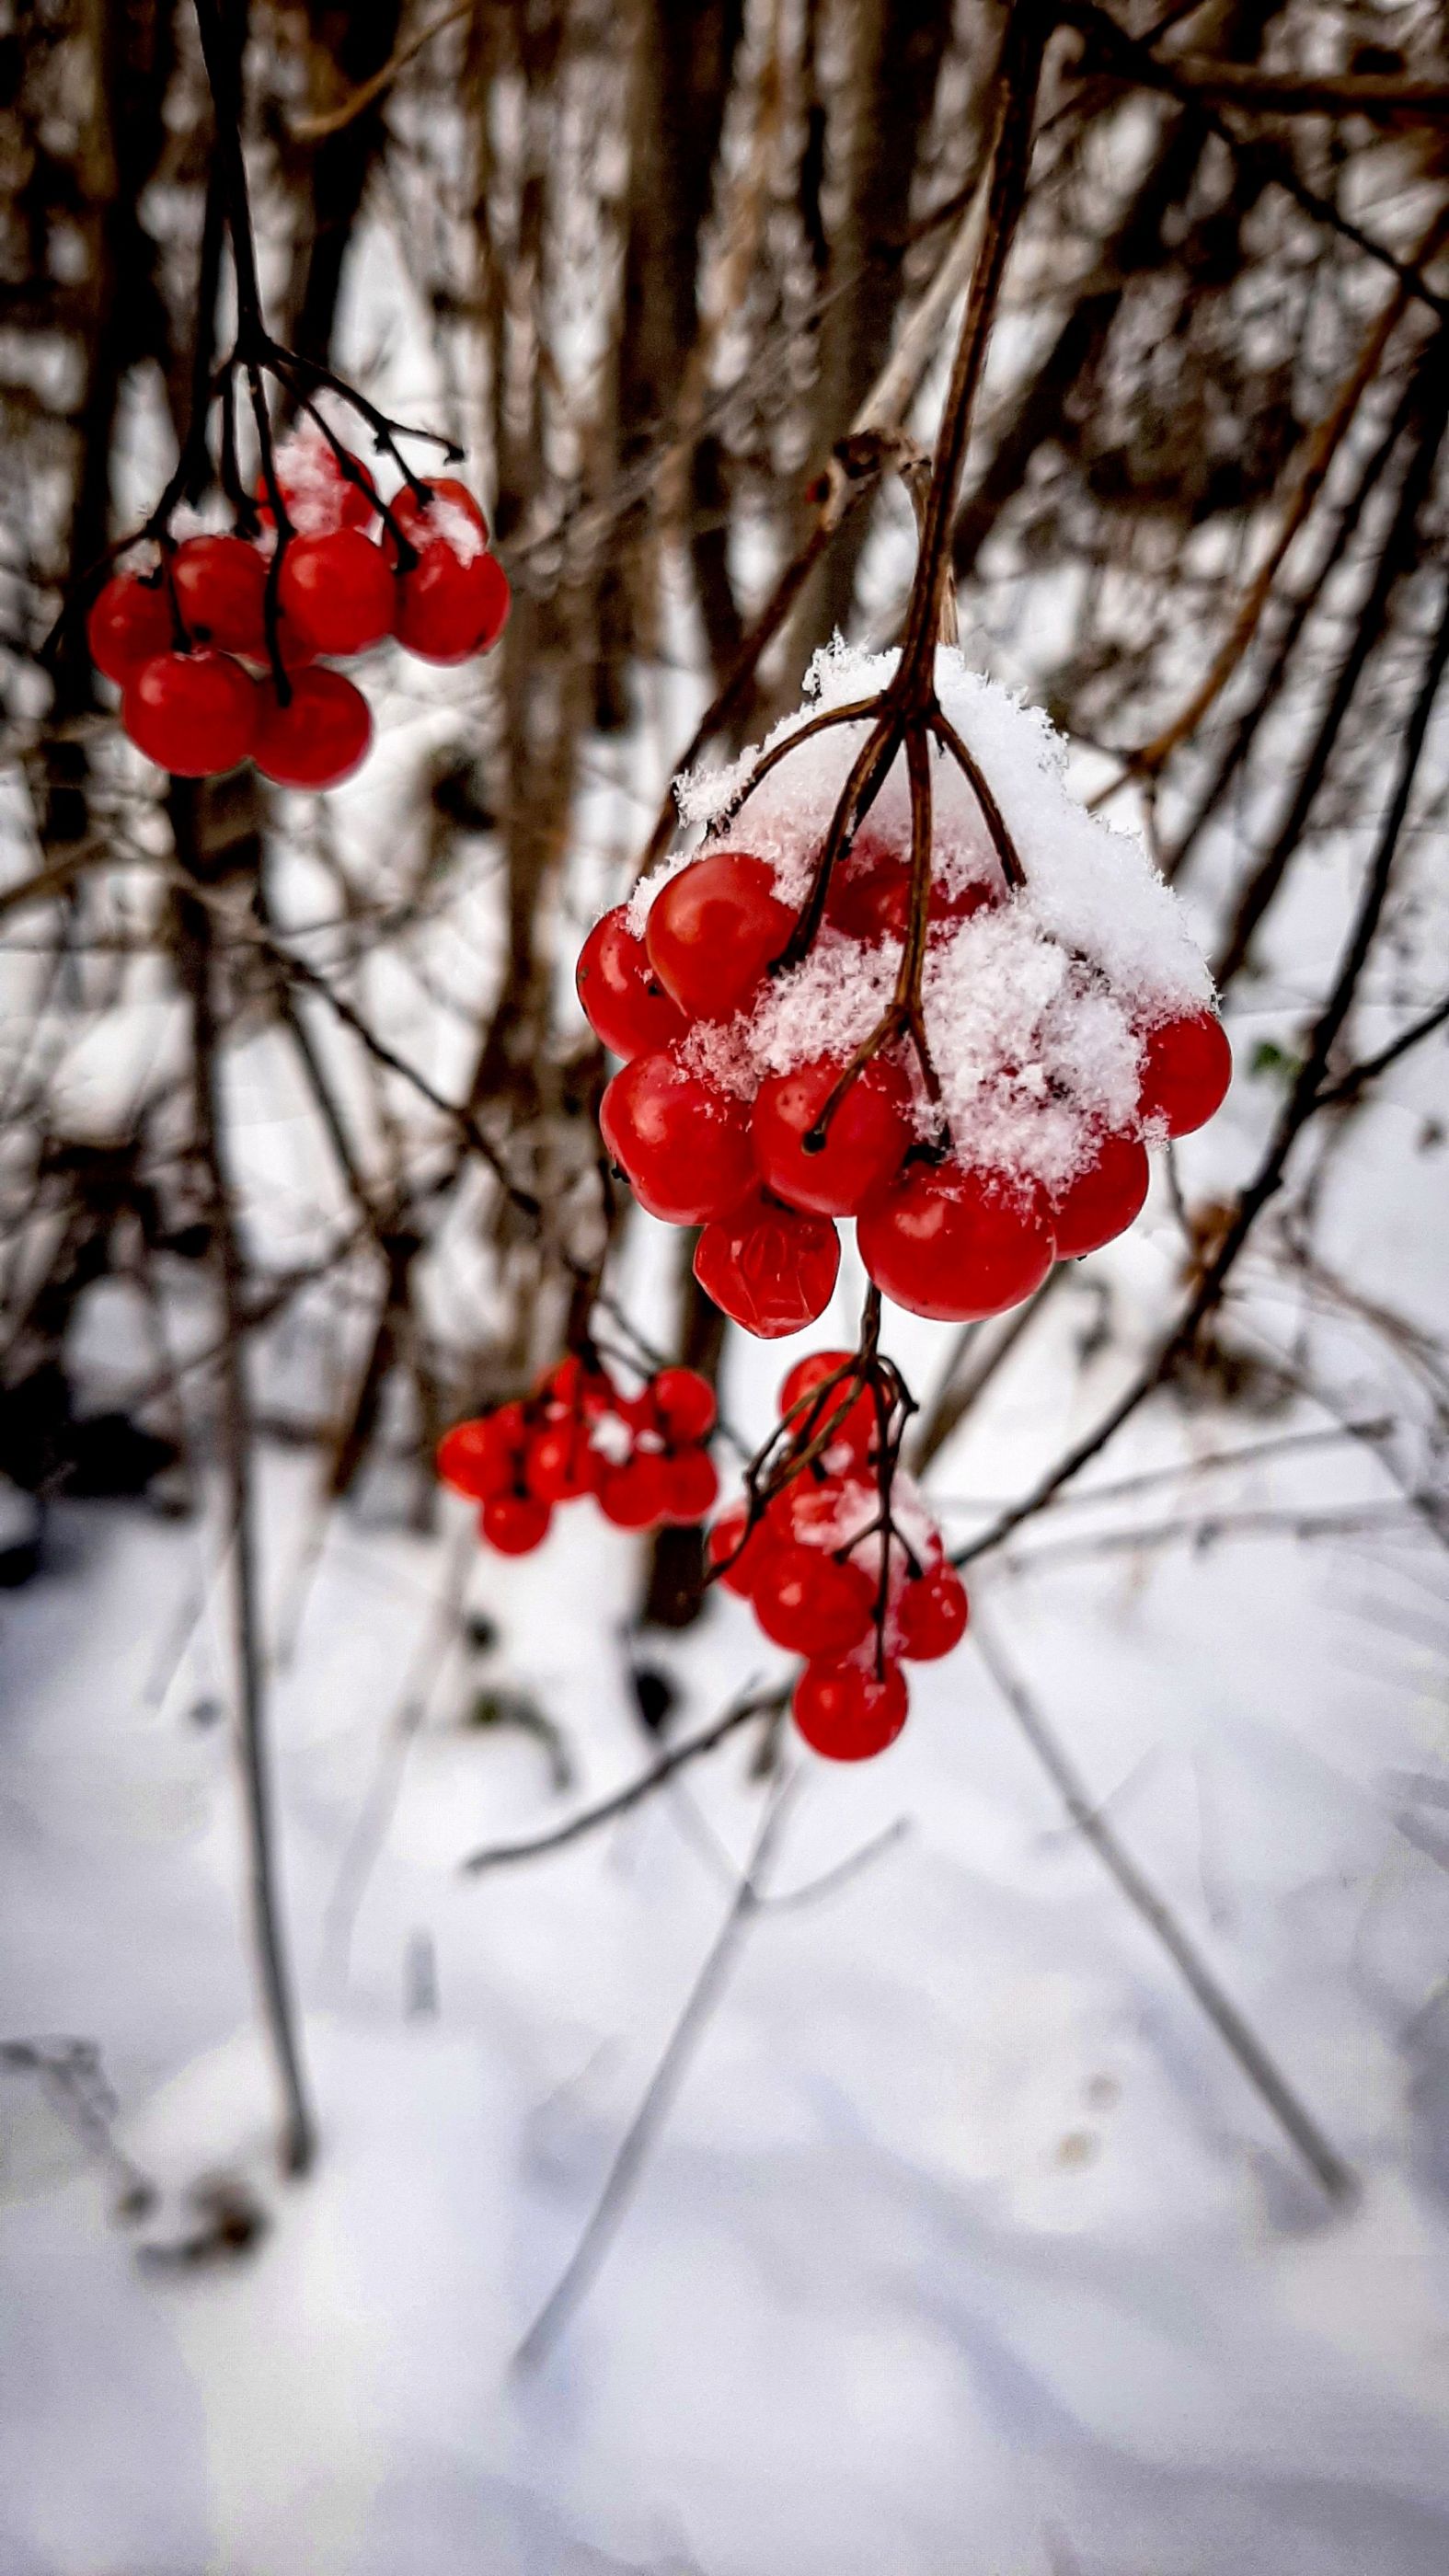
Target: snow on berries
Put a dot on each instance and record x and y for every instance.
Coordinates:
(194, 643)
(642, 1458)
(840, 1559)
(1065, 1020)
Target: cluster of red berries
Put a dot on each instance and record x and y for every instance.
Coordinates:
(832, 1575)
(759, 1173)
(189, 645)
(642, 1457)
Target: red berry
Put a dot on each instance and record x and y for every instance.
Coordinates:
(870, 898)
(1187, 1065)
(578, 1387)
(691, 1485)
(558, 1465)
(683, 1142)
(726, 1545)
(514, 1523)
(808, 1604)
(420, 520)
(221, 585)
(714, 929)
(474, 1461)
(634, 1496)
(339, 590)
(319, 496)
(510, 1428)
(321, 736)
(1103, 1200)
(844, 1712)
(623, 1000)
(931, 1614)
(950, 1243)
(192, 713)
(129, 623)
(447, 609)
(296, 651)
(684, 1403)
(859, 1424)
(868, 1133)
(769, 1268)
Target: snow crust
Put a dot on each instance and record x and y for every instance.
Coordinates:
(1035, 1006)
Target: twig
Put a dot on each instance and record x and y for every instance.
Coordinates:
(315, 129)
(1336, 2177)
(756, 1703)
(298, 2144)
(1350, 1084)
(623, 2173)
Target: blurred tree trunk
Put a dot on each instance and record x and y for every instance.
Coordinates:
(328, 179)
(873, 133)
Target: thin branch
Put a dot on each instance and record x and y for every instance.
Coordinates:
(315, 129)
(755, 1703)
(1336, 2177)
(624, 2172)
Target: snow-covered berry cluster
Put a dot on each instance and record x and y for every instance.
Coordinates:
(190, 642)
(841, 1567)
(1064, 1023)
(642, 1457)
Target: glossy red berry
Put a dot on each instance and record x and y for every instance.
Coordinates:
(1103, 1200)
(428, 522)
(769, 1268)
(446, 609)
(868, 1133)
(845, 1713)
(931, 1614)
(742, 1559)
(514, 1523)
(338, 590)
(318, 492)
(474, 1460)
(319, 738)
(192, 713)
(683, 1142)
(634, 1496)
(129, 623)
(713, 930)
(684, 1403)
(857, 1426)
(1187, 1065)
(558, 1463)
(870, 898)
(691, 1486)
(948, 1242)
(808, 1604)
(623, 1000)
(221, 585)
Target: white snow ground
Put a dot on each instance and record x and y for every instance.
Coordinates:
(966, 2250)
(965, 2246)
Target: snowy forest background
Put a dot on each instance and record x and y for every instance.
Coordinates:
(1044, 2172)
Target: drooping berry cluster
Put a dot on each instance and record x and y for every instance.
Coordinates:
(774, 1081)
(841, 1561)
(221, 651)
(642, 1457)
